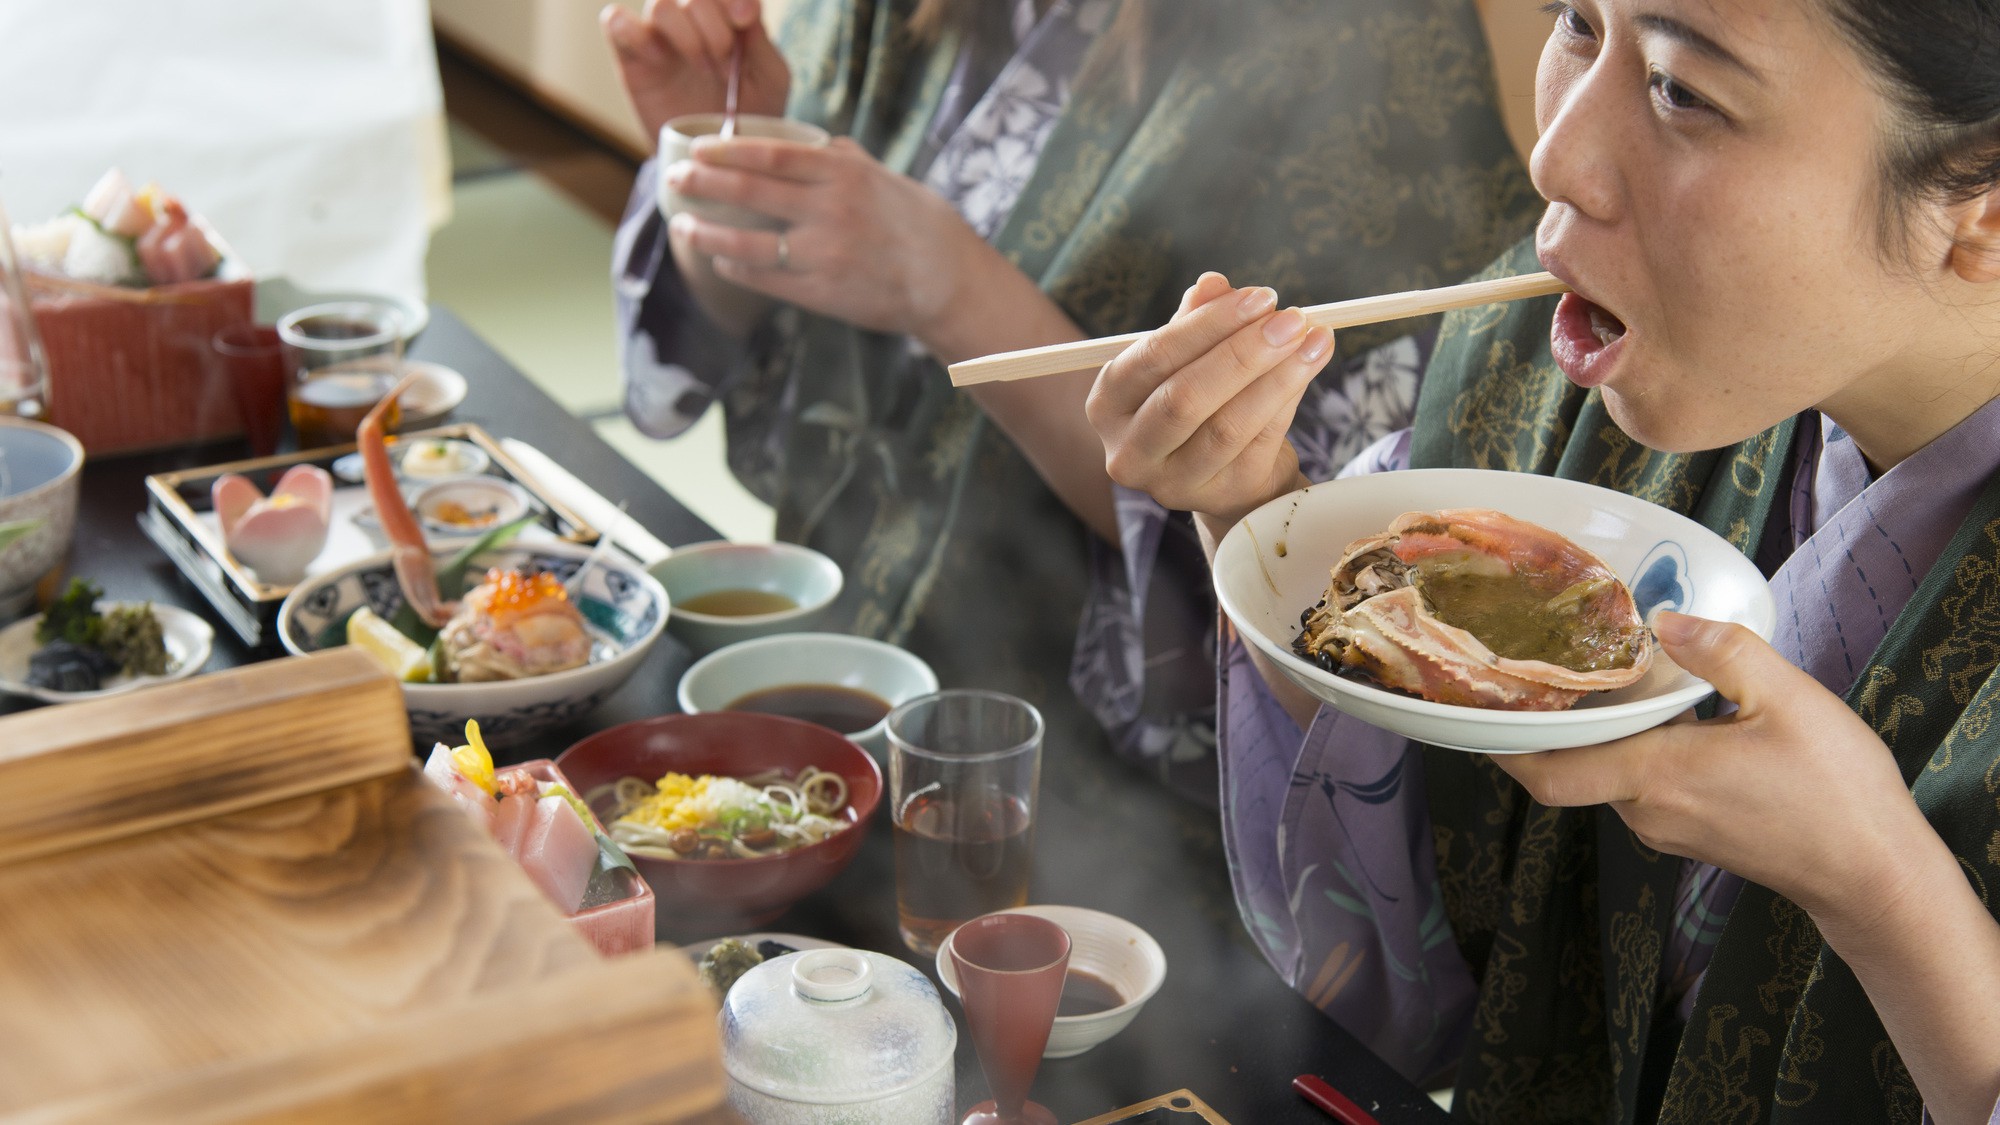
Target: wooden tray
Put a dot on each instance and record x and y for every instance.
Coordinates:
(176, 501)
(223, 907)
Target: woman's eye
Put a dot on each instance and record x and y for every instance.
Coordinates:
(1569, 20)
(1674, 95)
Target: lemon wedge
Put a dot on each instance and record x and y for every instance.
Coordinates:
(403, 657)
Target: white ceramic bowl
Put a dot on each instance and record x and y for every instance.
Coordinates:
(1107, 947)
(40, 478)
(677, 139)
(728, 674)
(1275, 563)
(625, 607)
(800, 573)
(187, 637)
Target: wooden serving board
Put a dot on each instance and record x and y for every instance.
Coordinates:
(193, 932)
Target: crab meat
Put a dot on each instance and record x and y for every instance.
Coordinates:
(1476, 608)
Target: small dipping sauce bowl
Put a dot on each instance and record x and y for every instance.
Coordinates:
(831, 662)
(468, 507)
(1102, 946)
(783, 586)
(677, 139)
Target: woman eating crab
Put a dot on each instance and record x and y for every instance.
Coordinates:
(1781, 223)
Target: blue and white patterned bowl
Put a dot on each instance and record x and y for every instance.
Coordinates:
(1276, 563)
(626, 607)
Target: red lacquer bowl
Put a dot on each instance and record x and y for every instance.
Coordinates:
(697, 897)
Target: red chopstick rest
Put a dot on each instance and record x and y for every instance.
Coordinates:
(1337, 1105)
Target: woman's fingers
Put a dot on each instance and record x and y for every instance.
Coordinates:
(1193, 395)
(754, 248)
(1255, 419)
(711, 24)
(785, 160)
(1128, 382)
(766, 195)
(1206, 288)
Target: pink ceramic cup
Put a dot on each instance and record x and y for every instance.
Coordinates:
(1010, 979)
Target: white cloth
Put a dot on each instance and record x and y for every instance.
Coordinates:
(309, 133)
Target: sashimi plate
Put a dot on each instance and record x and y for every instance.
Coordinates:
(1275, 563)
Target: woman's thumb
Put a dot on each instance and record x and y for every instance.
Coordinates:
(1732, 658)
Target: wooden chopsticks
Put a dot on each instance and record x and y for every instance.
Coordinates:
(1089, 355)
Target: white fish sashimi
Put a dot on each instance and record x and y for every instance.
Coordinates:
(93, 255)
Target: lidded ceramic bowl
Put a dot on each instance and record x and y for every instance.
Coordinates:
(838, 1037)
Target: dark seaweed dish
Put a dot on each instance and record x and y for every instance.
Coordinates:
(82, 647)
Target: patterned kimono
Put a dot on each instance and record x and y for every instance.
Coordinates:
(1578, 975)
(1328, 149)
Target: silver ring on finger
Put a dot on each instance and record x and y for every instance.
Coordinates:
(784, 252)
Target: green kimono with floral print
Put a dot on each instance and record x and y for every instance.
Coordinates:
(1563, 914)
(1328, 149)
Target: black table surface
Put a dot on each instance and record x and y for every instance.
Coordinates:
(1224, 1025)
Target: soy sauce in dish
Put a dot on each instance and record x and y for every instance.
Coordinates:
(842, 709)
(737, 603)
(1086, 995)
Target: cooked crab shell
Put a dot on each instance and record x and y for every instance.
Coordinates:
(1474, 607)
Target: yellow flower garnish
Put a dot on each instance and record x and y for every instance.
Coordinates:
(472, 760)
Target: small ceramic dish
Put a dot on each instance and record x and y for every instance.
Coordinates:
(440, 459)
(801, 575)
(1274, 564)
(468, 507)
(1106, 947)
(187, 637)
(625, 609)
(437, 392)
(809, 659)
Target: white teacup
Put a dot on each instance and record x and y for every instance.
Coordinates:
(677, 139)
(801, 575)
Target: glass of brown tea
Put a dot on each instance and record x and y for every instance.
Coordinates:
(964, 770)
(341, 358)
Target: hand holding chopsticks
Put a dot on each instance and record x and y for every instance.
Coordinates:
(1089, 355)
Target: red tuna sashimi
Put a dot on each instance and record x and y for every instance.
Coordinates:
(558, 852)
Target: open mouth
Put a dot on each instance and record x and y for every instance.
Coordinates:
(1586, 339)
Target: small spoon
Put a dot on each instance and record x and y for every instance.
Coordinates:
(735, 81)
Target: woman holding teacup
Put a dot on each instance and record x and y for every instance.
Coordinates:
(1781, 220)
(1009, 173)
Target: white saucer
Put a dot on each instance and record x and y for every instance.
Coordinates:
(188, 639)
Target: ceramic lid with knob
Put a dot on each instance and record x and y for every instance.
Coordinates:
(835, 1026)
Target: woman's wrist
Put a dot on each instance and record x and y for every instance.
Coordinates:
(1010, 311)
(1214, 525)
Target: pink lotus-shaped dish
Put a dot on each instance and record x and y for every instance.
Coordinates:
(278, 535)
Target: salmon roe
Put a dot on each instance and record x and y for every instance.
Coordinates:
(511, 592)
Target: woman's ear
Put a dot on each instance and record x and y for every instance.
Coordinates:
(1975, 251)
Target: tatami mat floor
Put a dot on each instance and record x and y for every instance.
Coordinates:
(527, 265)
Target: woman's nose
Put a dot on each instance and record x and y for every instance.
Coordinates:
(1578, 158)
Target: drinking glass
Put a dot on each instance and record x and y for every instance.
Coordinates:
(252, 360)
(964, 767)
(1010, 979)
(23, 368)
(342, 358)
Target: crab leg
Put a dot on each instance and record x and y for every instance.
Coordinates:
(416, 572)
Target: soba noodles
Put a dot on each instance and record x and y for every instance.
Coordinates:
(710, 817)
